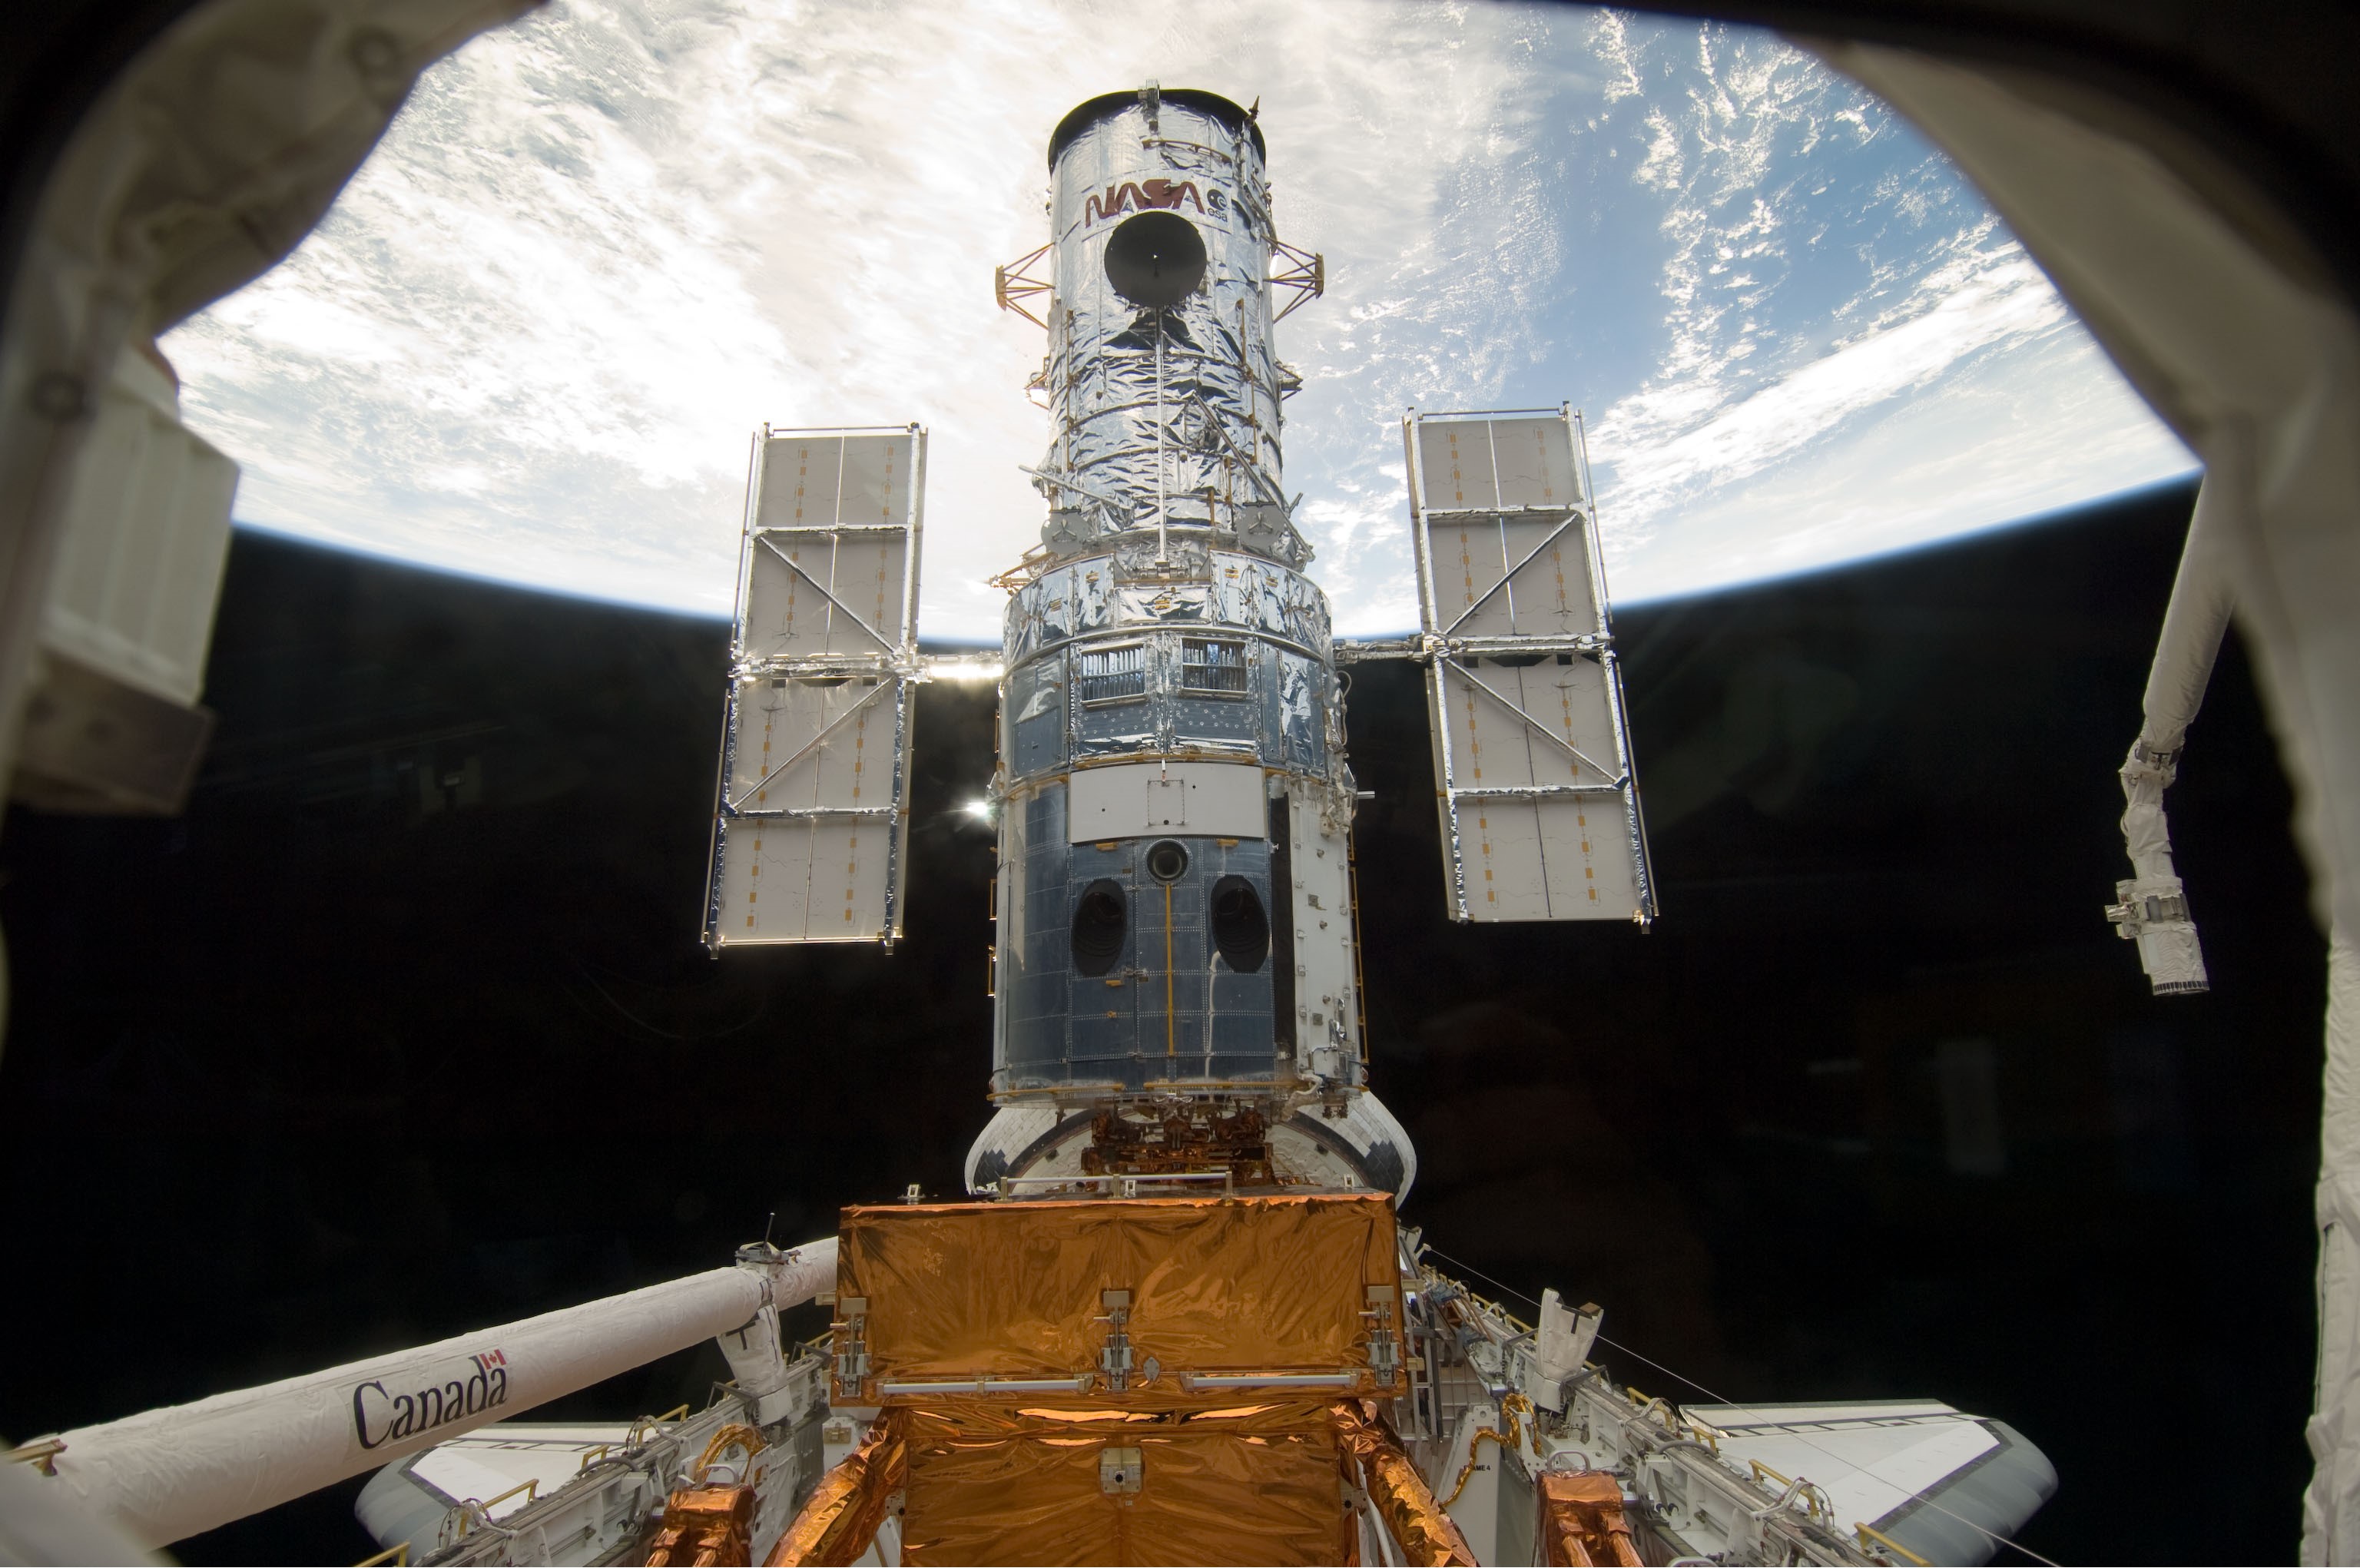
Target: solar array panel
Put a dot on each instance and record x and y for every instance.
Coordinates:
(811, 815)
(1539, 805)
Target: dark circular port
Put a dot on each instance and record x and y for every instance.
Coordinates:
(1240, 930)
(1166, 860)
(1155, 259)
(1100, 917)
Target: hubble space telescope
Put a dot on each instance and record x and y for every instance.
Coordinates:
(1177, 966)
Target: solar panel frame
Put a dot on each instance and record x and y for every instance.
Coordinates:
(1536, 788)
(824, 655)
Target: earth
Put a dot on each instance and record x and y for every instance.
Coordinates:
(600, 246)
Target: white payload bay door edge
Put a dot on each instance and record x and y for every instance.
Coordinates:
(1538, 800)
(812, 812)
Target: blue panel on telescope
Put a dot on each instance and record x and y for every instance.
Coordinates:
(1036, 709)
(1169, 1008)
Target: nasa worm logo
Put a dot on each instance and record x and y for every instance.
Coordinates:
(1143, 197)
(434, 1397)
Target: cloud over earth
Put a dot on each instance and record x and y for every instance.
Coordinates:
(599, 247)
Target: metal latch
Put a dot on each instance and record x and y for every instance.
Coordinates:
(851, 1344)
(1384, 1344)
(1115, 1355)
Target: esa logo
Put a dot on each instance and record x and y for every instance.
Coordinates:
(418, 1402)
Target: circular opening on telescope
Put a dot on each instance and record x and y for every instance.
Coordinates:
(1240, 930)
(1166, 860)
(1155, 259)
(1100, 918)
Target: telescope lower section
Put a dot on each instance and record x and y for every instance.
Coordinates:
(1138, 963)
(1175, 928)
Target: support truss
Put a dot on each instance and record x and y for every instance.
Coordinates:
(1305, 272)
(1012, 285)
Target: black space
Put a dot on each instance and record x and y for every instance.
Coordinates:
(404, 1029)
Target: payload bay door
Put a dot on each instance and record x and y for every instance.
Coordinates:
(810, 821)
(1531, 759)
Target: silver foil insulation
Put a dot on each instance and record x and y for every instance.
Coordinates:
(1164, 414)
